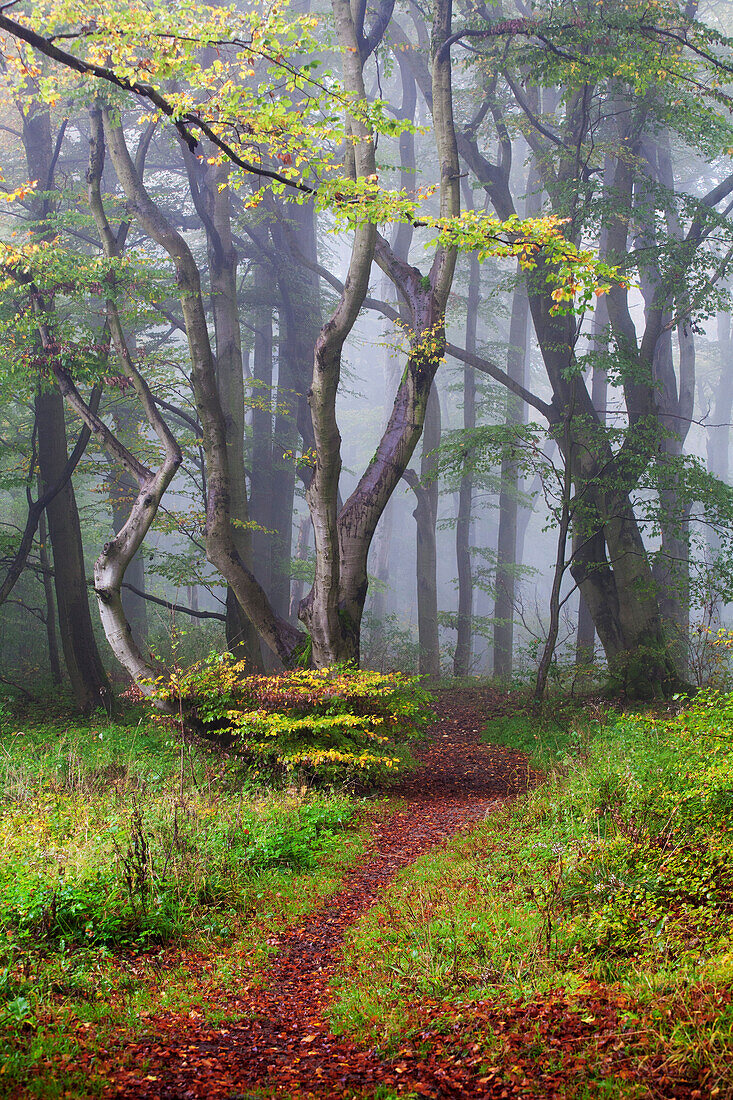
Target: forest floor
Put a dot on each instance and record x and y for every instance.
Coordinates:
(274, 1037)
(455, 940)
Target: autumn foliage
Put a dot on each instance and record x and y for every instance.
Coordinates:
(325, 725)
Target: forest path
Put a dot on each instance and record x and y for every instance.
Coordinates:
(280, 1043)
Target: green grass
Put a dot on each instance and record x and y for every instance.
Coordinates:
(616, 875)
(562, 729)
(139, 874)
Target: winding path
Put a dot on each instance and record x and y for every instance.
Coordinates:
(281, 1044)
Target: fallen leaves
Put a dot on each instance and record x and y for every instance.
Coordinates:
(277, 1040)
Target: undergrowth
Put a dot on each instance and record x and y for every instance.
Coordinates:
(329, 725)
(615, 876)
(127, 857)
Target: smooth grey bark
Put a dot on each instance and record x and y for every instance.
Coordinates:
(425, 488)
(381, 550)
(506, 548)
(222, 551)
(261, 490)
(586, 634)
(212, 200)
(718, 435)
(563, 524)
(122, 491)
(464, 618)
(301, 555)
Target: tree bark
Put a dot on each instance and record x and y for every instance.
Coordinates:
(506, 550)
(464, 619)
(87, 675)
(426, 514)
(334, 626)
(122, 492)
(261, 492)
(222, 551)
(46, 570)
(586, 637)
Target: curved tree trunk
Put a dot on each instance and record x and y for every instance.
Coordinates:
(221, 547)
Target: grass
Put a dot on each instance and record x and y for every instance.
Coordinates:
(607, 891)
(138, 875)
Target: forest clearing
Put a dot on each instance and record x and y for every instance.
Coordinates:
(366, 549)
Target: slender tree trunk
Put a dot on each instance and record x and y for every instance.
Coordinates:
(122, 492)
(333, 626)
(300, 324)
(425, 298)
(586, 637)
(506, 552)
(213, 202)
(464, 621)
(89, 682)
(382, 547)
(718, 447)
(426, 516)
(301, 555)
(117, 554)
(558, 572)
(261, 493)
(718, 436)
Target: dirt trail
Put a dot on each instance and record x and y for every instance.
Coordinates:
(281, 1044)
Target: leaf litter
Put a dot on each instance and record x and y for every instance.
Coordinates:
(271, 1037)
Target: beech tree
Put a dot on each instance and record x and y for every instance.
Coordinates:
(217, 129)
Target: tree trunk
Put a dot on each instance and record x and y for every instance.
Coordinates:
(300, 323)
(89, 682)
(464, 620)
(585, 641)
(261, 493)
(506, 551)
(51, 635)
(426, 515)
(221, 547)
(122, 492)
(563, 521)
(333, 624)
(301, 555)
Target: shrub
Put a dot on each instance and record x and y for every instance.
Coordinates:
(326, 725)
